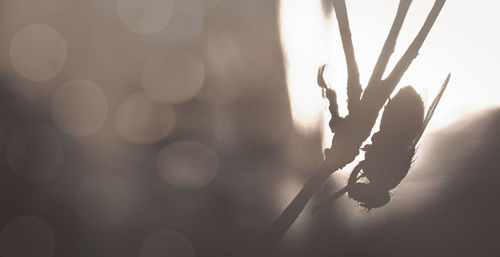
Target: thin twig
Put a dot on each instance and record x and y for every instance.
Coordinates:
(331, 198)
(389, 45)
(411, 53)
(356, 127)
(292, 211)
(353, 85)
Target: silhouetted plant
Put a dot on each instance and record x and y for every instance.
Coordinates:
(389, 157)
(386, 163)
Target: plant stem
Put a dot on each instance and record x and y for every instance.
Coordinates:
(357, 126)
(335, 160)
(353, 85)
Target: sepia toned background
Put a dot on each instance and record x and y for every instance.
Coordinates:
(184, 127)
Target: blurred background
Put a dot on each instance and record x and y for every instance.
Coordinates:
(184, 127)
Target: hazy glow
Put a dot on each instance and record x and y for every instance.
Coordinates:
(38, 52)
(310, 39)
(167, 243)
(175, 78)
(79, 107)
(466, 48)
(304, 41)
(35, 152)
(27, 236)
(187, 164)
(141, 121)
(102, 201)
(145, 16)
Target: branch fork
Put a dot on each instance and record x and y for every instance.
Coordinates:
(364, 107)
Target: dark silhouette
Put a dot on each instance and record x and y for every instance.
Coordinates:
(445, 206)
(389, 157)
(459, 216)
(355, 128)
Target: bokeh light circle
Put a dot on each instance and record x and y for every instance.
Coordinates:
(141, 121)
(35, 153)
(145, 16)
(79, 107)
(102, 201)
(187, 164)
(167, 243)
(38, 52)
(27, 236)
(173, 79)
